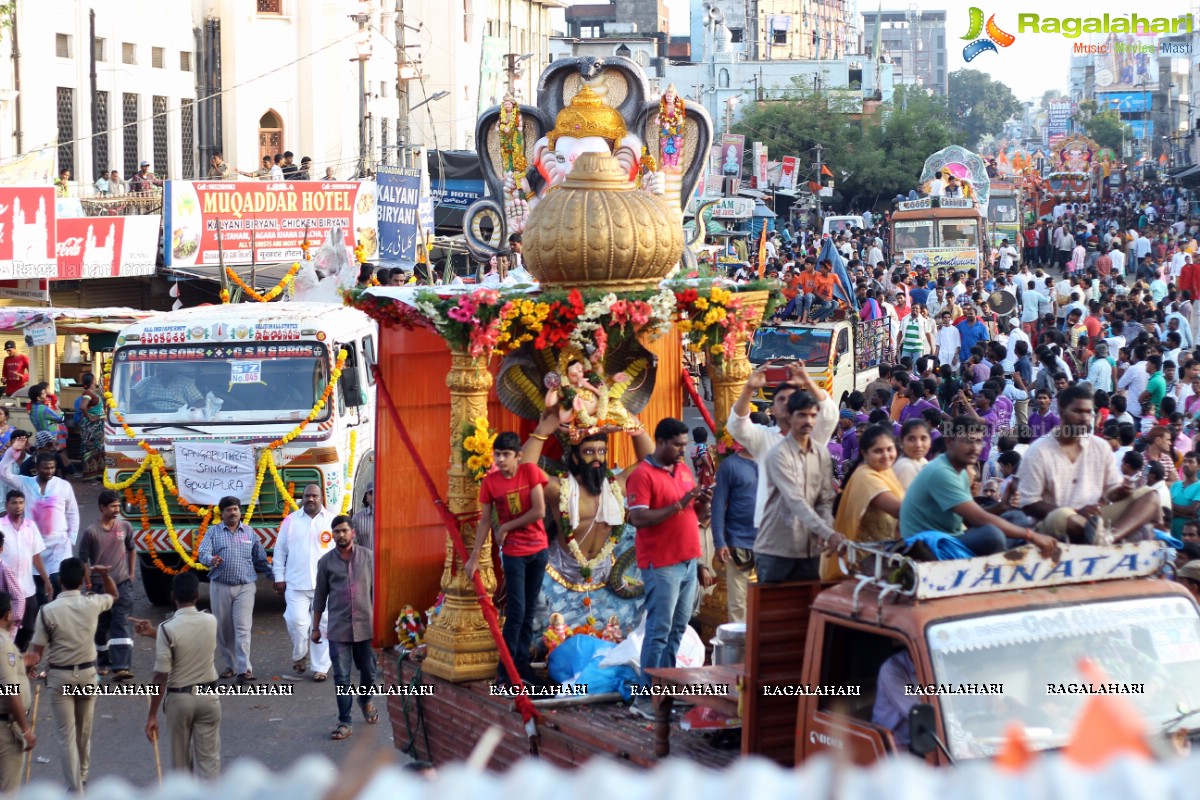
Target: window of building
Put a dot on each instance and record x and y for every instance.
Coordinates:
(156, 57)
(66, 129)
(62, 45)
(270, 6)
(386, 152)
(187, 120)
(185, 61)
(128, 53)
(624, 51)
(100, 52)
(468, 20)
(723, 79)
(736, 35)
(129, 131)
(100, 140)
(778, 37)
(383, 88)
(159, 131)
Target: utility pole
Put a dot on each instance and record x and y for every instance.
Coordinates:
(402, 75)
(362, 17)
(819, 184)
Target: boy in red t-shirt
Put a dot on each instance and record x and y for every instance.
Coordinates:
(517, 492)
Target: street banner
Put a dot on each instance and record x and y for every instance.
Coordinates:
(31, 291)
(208, 471)
(761, 179)
(35, 168)
(107, 247)
(733, 150)
(271, 217)
(399, 212)
(936, 258)
(787, 177)
(27, 219)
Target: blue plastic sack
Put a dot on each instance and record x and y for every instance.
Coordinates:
(944, 546)
(577, 661)
(1171, 541)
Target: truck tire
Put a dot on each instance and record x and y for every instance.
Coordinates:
(156, 583)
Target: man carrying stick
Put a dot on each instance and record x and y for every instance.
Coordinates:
(184, 659)
(16, 735)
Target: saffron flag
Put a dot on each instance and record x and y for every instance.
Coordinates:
(762, 251)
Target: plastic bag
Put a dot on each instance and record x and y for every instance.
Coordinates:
(629, 652)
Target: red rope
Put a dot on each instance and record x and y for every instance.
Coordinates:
(523, 704)
(691, 389)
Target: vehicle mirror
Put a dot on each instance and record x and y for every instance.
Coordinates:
(352, 393)
(922, 730)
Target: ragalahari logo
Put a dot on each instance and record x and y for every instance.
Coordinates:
(995, 36)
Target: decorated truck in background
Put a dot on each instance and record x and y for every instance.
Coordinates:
(252, 400)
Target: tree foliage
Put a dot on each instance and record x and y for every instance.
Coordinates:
(1107, 129)
(873, 158)
(979, 105)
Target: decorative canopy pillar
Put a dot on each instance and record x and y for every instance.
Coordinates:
(729, 373)
(461, 647)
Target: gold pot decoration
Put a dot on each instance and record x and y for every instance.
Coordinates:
(597, 229)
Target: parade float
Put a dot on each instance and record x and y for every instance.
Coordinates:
(595, 177)
(945, 234)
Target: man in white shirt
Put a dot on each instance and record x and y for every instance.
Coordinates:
(949, 341)
(304, 537)
(50, 501)
(937, 186)
(22, 551)
(1008, 255)
(1177, 261)
(1141, 248)
(1134, 381)
(1118, 260)
(1015, 335)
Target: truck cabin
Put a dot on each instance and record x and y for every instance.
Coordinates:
(820, 346)
(944, 662)
(936, 223)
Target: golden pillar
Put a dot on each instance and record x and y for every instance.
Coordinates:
(461, 647)
(728, 377)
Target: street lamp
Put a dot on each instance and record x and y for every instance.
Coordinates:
(363, 47)
(426, 101)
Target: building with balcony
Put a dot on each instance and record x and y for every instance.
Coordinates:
(914, 41)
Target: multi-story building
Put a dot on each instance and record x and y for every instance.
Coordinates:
(768, 30)
(915, 43)
(107, 89)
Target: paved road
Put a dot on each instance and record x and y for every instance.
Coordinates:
(273, 731)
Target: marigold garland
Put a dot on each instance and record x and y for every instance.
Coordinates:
(273, 292)
(348, 493)
(477, 448)
(224, 296)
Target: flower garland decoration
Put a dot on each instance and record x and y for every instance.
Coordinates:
(348, 494)
(587, 566)
(360, 253)
(304, 249)
(273, 292)
(713, 320)
(477, 448)
(224, 296)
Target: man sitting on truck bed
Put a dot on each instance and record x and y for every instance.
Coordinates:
(1066, 475)
(939, 499)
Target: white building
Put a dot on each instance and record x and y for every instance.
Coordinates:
(144, 86)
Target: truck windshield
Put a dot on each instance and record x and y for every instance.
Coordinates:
(220, 384)
(959, 233)
(1002, 210)
(810, 345)
(1148, 648)
(915, 233)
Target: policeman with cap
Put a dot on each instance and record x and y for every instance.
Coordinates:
(66, 632)
(184, 660)
(16, 735)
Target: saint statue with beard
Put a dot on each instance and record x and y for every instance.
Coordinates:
(588, 505)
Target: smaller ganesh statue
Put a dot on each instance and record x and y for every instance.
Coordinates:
(409, 628)
(557, 633)
(612, 631)
(587, 402)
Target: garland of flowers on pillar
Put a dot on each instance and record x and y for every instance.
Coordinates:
(161, 481)
(348, 493)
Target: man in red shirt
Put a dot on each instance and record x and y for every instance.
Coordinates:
(666, 506)
(16, 369)
(516, 491)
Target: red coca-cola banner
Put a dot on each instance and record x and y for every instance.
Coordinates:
(27, 217)
(107, 247)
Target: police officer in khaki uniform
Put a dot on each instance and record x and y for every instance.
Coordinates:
(66, 632)
(16, 736)
(184, 659)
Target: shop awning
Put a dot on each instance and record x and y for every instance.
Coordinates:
(72, 320)
(1186, 173)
